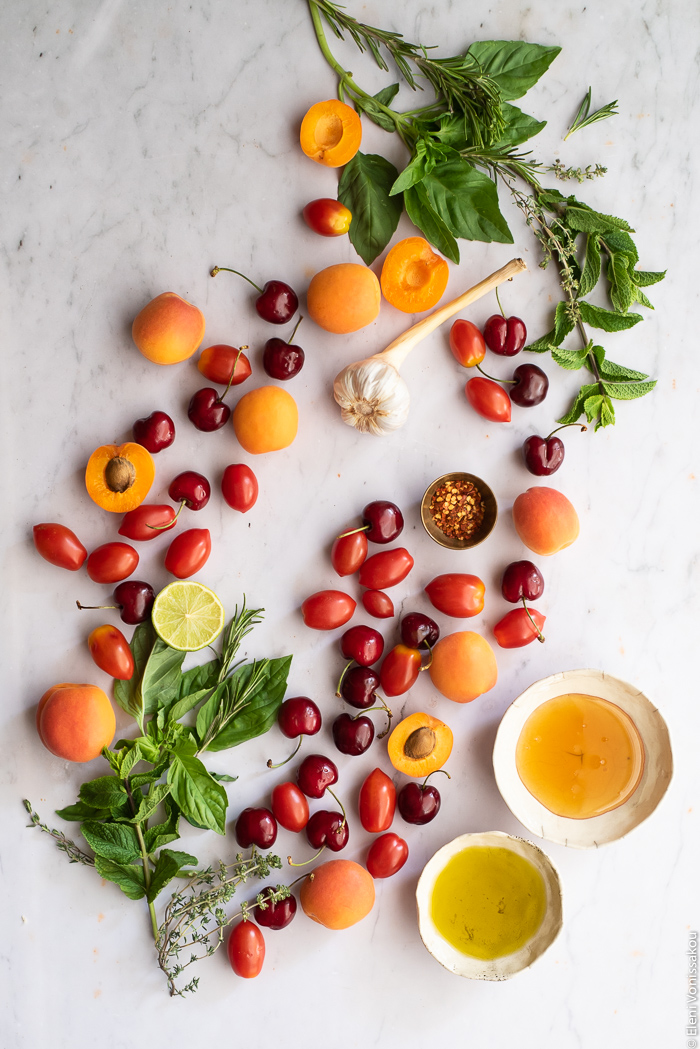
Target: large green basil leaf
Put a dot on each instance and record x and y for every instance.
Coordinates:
(467, 201)
(198, 796)
(128, 693)
(515, 65)
(364, 188)
(423, 215)
(260, 711)
(161, 677)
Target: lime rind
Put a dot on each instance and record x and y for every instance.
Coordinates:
(187, 615)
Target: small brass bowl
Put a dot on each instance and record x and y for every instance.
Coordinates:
(487, 523)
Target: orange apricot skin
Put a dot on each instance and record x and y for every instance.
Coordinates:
(265, 420)
(419, 767)
(344, 298)
(168, 329)
(545, 520)
(75, 721)
(338, 894)
(331, 133)
(413, 277)
(463, 666)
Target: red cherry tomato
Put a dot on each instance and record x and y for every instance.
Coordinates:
(467, 343)
(188, 552)
(218, 362)
(457, 594)
(239, 487)
(327, 217)
(349, 552)
(147, 522)
(516, 629)
(378, 604)
(290, 807)
(110, 651)
(246, 949)
(386, 568)
(386, 856)
(59, 546)
(327, 609)
(377, 802)
(488, 399)
(400, 670)
(112, 562)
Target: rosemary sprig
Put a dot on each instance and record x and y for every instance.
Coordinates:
(241, 624)
(582, 118)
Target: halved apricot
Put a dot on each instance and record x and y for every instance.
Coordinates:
(419, 745)
(119, 477)
(413, 277)
(331, 133)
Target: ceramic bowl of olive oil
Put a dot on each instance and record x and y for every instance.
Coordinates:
(489, 905)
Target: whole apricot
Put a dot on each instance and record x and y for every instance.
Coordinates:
(265, 420)
(545, 520)
(75, 722)
(344, 298)
(331, 133)
(337, 894)
(463, 666)
(169, 329)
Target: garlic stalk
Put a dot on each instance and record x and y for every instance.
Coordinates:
(371, 393)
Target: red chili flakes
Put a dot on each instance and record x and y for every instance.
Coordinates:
(457, 509)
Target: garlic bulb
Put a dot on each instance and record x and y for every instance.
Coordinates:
(372, 395)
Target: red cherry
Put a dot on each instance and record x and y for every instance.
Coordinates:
(418, 803)
(383, 521)
(418, 629)
(207, 411)
(522, 580)
(155, 432)
(256, 827)
(283, 360)
(358, 687)
(529, 386)
(276, 303)
(363, 644)
(329, 829)
(134, 599)
(353, 735)
(315, 774)
(190, 488)
(276, 915)
(506, 337)
(544, 455)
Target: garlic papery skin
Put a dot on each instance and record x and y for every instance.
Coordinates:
(372, 396)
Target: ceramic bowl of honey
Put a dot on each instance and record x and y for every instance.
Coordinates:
(582, 758)
(489, 905)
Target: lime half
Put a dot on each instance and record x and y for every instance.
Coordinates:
(187, 616)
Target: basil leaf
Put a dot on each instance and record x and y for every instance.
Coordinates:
(644, 278)
(374, 112)
(162, 833)
(423, 215)
(519, 127)
(82, 811)
(364, 188)
(223, 777)
(187, 703)
(105, 792)
(128, 878)
(628, 391)
(161, 677)
(585, 220)
(167, 866)
(195, 679)
(411, 174)
(195, 792)
(260, 712)
(467, 201)
(606, 319)
(113, 841)
(207, 713)
(591, 267)
(515, 65)
(128, 693)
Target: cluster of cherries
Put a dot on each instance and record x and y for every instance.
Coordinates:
(506, 337)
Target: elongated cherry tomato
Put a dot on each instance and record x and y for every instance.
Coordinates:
(59, 546)
(386, 855)
(239, 487)
(349, 552)
(377, 802)
(378, 604)
(327, 609)
(327, 217)
(290, 807)
(488, 399)
(188, 552)
(516, 629)
(112, 562)
(246, 949)
(147, 522)
(400, 670)
(110, 651)
(467, 343)
(457, 594)
(218, 362)
(387, 568)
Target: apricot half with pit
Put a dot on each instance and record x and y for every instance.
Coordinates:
(419, 745)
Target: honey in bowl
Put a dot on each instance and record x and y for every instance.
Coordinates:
(580, 756)
(488, 902)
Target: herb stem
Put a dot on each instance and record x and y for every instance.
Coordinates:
(147, 879)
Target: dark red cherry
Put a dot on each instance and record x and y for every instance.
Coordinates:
(506, 337)
(329, 829)
(276, 303)
(353, 735)
(543, 455)
(135, 599)
(256, 827)
(522, 580)
(207, 411)
(281, 360)
(190, 488)
(383, 521)
(530, 386)
(418, 803)
(155, 432)
(299, 716)
(315, 774)
(275, 915)
(419, 630)
(358, 687)
(364, 644)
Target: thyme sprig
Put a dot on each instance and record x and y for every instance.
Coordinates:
(64, 844)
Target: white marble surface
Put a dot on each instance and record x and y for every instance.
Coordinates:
(141, 145)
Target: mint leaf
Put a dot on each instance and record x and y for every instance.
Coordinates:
(515, 65)
(628, 391)
(564, 322)
(263, 703)
(576, 409)
(591, 267)
(167, 866)
(607, 414)
(128, 878)
(128, 693)
(113, 841)
(572, 360)
(616, 240)
(160, 685)
(364, 188)
(105, 792)
(584, 220)
(621, 287)
(424, 216)
(641, 298)
(592, 406)
(199, 797)
(467, 201)
(82, 811)
(606, 319)
(161, 834)
(543, 344)
(644, 278)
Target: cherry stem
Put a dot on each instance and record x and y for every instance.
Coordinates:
(291, 862)
(281, 763)
(493, 378)
(540, 635)
(422, 786)
(499, 305)
(233, 372)
(84, 607)
(168, 524)
(340, 804)
(389, 717)
(295, 330)
(227, 269)
(427, 666)
(340, 680)
(353, 531)
(565, 426)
